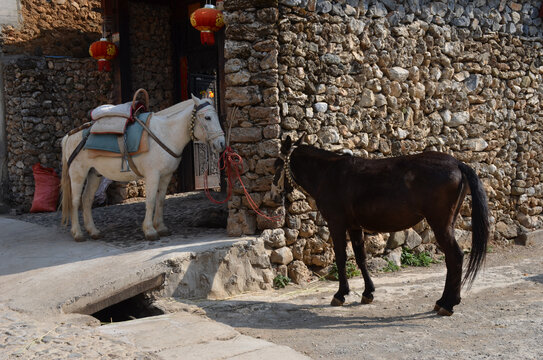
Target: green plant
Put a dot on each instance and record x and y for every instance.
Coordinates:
(350, 269)
(391, 267)
(281, 281)
(408, 258)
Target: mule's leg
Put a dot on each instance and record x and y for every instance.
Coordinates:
(151, 188)
(77, 182)
(158, 221)
(93, 181)
(453, 260)
(357, 241)
(340, 249)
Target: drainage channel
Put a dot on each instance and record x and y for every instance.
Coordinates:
(136, 307)
(117, 305)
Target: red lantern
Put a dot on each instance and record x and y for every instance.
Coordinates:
(103, 51)
(207, 20)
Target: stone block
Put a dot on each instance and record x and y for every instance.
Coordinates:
(530, 238)
(282, 256)
(299, 273)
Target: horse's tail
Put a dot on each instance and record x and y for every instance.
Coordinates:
(479, 221)
(65, 186)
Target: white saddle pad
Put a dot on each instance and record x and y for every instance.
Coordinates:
(102, 111)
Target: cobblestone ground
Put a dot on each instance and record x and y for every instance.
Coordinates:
(188, 215)
(62, 337)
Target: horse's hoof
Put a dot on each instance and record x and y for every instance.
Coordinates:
(96, 236)
(164, 232)
(367, 299)
(437, 307)
(152, 237)
(444, 312)
(336, 302)
(79, 238)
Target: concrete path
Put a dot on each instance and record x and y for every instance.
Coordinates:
(45, 275)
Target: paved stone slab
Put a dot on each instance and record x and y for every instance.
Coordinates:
(188, 336)
(43, 270)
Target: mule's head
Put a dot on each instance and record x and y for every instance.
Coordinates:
(207, 127)
(279, 183)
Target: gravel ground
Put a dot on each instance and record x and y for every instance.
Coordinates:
(62, 337)
(500, 317)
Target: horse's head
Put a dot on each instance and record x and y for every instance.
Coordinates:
(207, 127)
(281, 172)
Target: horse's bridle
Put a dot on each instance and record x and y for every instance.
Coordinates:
(210, 136)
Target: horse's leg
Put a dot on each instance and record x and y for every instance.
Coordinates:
(93, 181)
(151, 188)
(357, 240)
(340, 249)
(453, 260)
(158, 221)
(77, 182)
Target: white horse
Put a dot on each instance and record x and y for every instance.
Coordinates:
(174, 128)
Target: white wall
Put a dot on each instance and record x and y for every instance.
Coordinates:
(9, 12)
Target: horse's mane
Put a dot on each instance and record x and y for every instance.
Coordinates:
(177, 108)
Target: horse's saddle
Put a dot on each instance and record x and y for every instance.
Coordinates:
(106, 143)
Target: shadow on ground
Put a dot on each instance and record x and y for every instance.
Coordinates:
(286, 316)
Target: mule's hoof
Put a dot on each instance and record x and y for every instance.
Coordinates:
(367, 299)
(96, 236)
(437, 307)
(79, 239)
(336, 302)
(152, 237)
(444, 312)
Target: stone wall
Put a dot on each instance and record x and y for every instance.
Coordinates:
(50, 84)
(54, 27)
(386, 78)
(251, 67)
(45, 98)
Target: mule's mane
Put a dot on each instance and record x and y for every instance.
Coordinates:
(307, 150)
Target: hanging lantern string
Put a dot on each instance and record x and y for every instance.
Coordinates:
(232, 164)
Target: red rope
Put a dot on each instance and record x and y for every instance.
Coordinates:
(232, 164)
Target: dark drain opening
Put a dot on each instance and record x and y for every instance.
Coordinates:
(136, 307)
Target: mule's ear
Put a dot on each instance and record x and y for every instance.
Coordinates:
(286, 145)
(301, 139)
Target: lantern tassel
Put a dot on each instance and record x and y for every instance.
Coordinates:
(207, 38)
(104, 65)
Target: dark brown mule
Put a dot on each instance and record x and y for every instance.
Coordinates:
(387, 195)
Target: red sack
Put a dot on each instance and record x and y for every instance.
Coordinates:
(46, 191)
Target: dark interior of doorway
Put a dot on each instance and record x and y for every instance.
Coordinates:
(198, 70)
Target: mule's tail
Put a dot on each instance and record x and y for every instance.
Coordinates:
(65, 186)
(479, 221)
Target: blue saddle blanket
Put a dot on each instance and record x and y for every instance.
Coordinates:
(108, 142)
